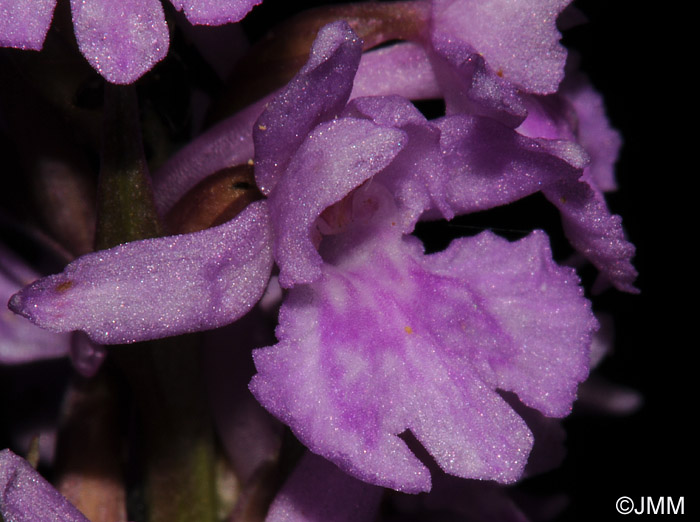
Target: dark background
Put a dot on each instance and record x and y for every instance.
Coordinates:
(637, 58)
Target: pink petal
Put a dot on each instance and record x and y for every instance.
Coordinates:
(595, 232)
(337, 157)
(594, 132)
(469, 85)
(577, 113)
(25, 496)
(492, 165)
(402, 69)
(21, 341)
(538, 304)
(317, 93)
(417, 177)
(157, 287)
(518, 38)
(24, 23)
(215, 12)
(121, 40)
(317, 491)
(389, 339)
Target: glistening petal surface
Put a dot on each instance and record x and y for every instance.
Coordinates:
(121, 40)
(25, 496)
(24, 23)
(595, 232)
(469, 85)
(317, 93)
(490, 164)
(594, 131)
(518, 38)
(422, 343)
(157, 287)
(336, 157)
(214, 12)
(402, 69)
(417, 177)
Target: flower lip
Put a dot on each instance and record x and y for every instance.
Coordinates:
(398, 346)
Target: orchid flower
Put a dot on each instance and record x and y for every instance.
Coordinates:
(384, 351)
(121, 40)
(368, 315)
(504, 60)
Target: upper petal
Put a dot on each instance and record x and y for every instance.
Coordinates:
(403, 69)
(469, 85)
(317, 93)
(491, 164)
(577, 113)
(121, 40)
(157, 287)
(24, 23)
(215, 12)
(593, 131)
(335, 158)
(518, 38)
(25, 496)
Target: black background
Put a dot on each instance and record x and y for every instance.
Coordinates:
(638, 58)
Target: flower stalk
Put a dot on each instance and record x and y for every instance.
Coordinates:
(179, 471)
(125, 208)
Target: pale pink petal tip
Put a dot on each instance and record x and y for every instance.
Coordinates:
(20, 341)
(215, 12)
(121, 40)
(24, 23)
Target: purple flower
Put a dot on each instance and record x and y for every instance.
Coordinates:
(121, 40)
(376, 337)
(503, 60)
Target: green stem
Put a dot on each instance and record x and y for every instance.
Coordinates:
(125, 207)
(180, 483)
(164, 376)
